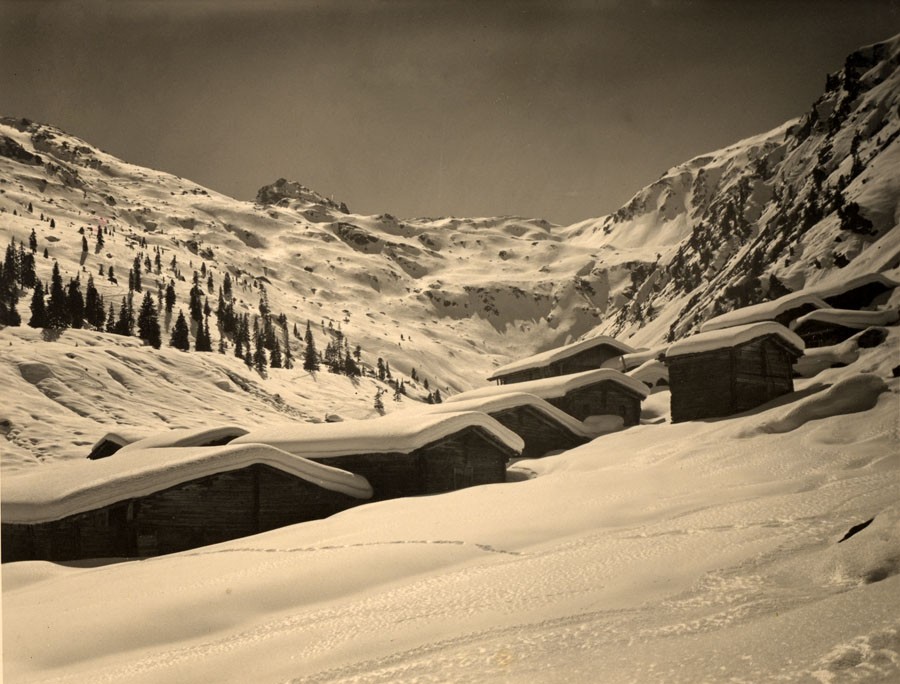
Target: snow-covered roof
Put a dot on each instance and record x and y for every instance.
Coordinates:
(559, 353)
(765, 311)
(54, 492)
(849, 318)
(726, 338)
(394, 433)
(511, 400)
(552, 388)
(852, 284)
(122, 436)
(641, 356)
(651, 371)
(184, 437)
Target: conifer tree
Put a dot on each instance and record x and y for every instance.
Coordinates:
(93, 305)
(84, 244)
(170, 297)
(100, 241)
(259, 355)
(381, 370)
(203, 341)
(275, 360)
(38, 307)
(75, 303)
(195, 303)
(180, 338)
(226, 286)
(27, 276)
(351, 368)
(310, 357)
(438, 399)
(46, 253)
(148, 322)
(32, 241)
(379, 404)
(125, 321)
(57, 307)
(111, 319)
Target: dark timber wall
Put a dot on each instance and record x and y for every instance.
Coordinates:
(203, 511)
(541, 433)
(470, 457)
(723, 382)
(785, 317)
(602, 398)
(823, 334)
(588, 359)
(859, 297)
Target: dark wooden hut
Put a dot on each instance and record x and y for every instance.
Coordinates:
(542, 427)
(591, 354)
(782, 310)
(832, 326)
(119, 508)
(400, 457)
(858, 293)
(723, 372)
(591, 393)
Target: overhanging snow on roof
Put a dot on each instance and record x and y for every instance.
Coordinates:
(121, 437)
(184, 437)
(859, 281)
(765, 311)
(849, 318)
(395, 433)
(560, 353)
(552, 388)
(54, 492)
(727, 338)
(511, 400)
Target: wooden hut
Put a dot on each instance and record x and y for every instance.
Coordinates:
(828, 327)
(165, 500)
(861, 292)
(782, 310)
(590, 393)
(129, 440)
(723, 372)
(542, 426)
(597, 352)
(402, 457)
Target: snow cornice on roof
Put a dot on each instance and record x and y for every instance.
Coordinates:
(50, 493)
(849, 318)
(559, 353)
(184, 437)
(726, 338)
(559, 386)
(395, 433)
(852, 284)
(764, 311)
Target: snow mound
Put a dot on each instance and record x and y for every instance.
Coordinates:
(48, 494)
(851, 395)
(817, 359)
(396, 433)
(724, 338)
(560, 353)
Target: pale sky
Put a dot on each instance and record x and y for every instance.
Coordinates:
(560, 110)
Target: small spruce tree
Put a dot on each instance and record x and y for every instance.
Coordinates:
(180, 338)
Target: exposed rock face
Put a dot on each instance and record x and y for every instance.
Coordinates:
(10, 148)
(282, 189)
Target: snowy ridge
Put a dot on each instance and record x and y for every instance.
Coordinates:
(764, 311)
(509, 400)
(184, 437)
(560, 353)
(724, 338)
(396, 433)
(76, 487)
(849, 318)
(551, 388)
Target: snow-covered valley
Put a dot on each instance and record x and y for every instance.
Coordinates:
(706, 550)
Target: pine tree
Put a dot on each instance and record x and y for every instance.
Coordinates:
(379, 404)
(180, 338)
(226, 286)
(100, 241)
(259, 355)
(351, 368)
(275, 360)
(93, 305)
(84, 244)
(380, 369)
(27, 275)
(57, 307)
(203, 341)
(38, 307)
(170, 297)
(32, 241)
(195, 303)
(75, 303)
(111, 319)
(125, 321)
(148, 322)
(310, 357)
(46, 253)
(438, 399)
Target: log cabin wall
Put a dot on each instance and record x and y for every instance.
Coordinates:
(785, 317)
(859, 297)
(602, 398)
(585, 360)
(465, 459)
(391, 475)
(822, 334)
(722, 382)
(286, 500)
(540, 432)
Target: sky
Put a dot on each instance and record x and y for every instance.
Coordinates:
(556, 110)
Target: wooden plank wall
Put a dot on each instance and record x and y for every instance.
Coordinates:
(603, 398)
(540, 433)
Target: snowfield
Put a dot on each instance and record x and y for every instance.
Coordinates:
(702, 551)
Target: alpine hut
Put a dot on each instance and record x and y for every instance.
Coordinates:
(158, 501)
(782, 310)
(130, 440)
(403, 457)
(597, 352)
(827, 327)
(722, 372)
(861, 292)
(542, 426)
(599, 392)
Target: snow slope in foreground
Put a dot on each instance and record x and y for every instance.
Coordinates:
(703, 551)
